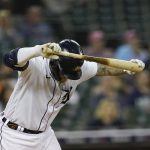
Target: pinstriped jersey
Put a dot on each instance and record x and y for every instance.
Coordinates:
(38, 97)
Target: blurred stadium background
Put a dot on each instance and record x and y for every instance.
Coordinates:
(105, 112)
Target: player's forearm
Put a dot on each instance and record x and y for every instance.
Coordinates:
(109, 71)
(17, 58)
(25, 54)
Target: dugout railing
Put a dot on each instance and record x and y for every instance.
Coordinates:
(138, 139)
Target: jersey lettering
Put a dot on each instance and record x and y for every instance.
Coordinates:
(66, 97)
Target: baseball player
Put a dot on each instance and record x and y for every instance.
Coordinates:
(45, 84)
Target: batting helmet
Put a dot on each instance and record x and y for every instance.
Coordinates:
(70, 67)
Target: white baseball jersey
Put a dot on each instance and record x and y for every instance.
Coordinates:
(38, 97)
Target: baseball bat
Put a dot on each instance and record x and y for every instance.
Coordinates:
(116, 63)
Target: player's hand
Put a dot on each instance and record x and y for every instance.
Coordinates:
(48, 49)
(137, 61)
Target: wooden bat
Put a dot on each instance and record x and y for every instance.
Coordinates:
(117, 63)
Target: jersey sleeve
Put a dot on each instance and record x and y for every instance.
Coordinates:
(89, 70)
(35, 65)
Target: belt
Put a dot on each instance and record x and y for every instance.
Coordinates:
(15, 126)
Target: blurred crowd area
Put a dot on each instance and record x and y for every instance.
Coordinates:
(104, 28)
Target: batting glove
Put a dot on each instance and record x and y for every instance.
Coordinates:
(137, 61)
(48, 49)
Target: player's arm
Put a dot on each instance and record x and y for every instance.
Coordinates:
(108, 71)
(104, 70)
(18, 59)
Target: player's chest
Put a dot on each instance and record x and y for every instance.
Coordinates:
(60, 93)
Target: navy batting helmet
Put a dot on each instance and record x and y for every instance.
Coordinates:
(71, 67)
